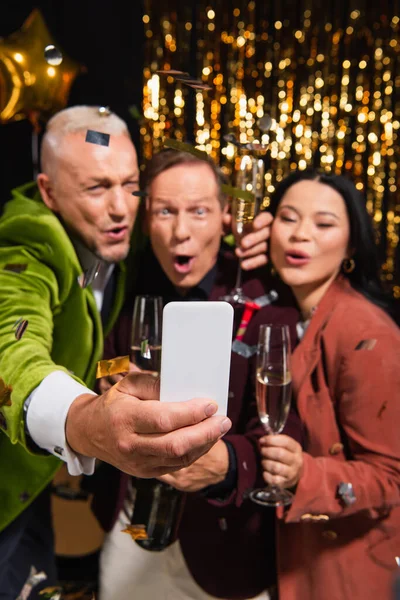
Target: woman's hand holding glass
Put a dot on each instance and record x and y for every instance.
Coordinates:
(282, 460)
(273, 394)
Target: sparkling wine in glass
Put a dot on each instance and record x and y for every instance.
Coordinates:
(157, 506)
(243, 213)
(273, 393)
(146, 333)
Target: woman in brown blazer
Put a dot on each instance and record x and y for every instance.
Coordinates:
(340, 537)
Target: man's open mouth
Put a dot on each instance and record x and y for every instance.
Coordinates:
(117, 233)
(183, 263)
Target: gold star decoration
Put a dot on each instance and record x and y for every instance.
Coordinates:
(30, 85)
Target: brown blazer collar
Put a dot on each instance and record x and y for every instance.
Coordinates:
(306, 354)
(339, 289)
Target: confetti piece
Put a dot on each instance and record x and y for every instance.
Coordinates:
(17, 322)
(243, 349)
(199, 86)
(96, 137)
(397, 560)
(5, 393)
(137, 532)
(51, 593)
(183, 147)
(249, 309)
(120, 364)
(235, 192)
(16, 267)
(104, 111)
(252, 146)
(171, 72)
(88, 276)
(135, 112)
(231, 139)
(193, 82)
(366, 345)
(266, 299)
(382, 409)
(20, 326)
(265, 123)
(33, 580)
(187, 77)
(53, 56)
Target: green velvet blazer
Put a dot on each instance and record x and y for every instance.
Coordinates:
(39, 269)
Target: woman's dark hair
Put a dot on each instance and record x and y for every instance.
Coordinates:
(365, 276)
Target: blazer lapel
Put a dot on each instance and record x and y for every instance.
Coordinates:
(118, 299)
(98, 338)
(306, 355)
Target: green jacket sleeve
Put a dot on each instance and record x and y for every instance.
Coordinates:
(32, 295)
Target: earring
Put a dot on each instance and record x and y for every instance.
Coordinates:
(272, 271)
(348, 265)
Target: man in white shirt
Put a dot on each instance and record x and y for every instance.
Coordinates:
(53, 315)
(51, 339)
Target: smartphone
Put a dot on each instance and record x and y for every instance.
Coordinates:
(196, 352)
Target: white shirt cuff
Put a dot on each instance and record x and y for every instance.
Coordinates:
(48, 406)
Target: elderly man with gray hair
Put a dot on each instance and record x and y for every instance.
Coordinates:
(61, 287)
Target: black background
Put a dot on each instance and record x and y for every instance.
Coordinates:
(106, 37)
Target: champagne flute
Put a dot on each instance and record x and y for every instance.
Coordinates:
(157, 506)
(146, 333)
(243, 213)
(273, 393)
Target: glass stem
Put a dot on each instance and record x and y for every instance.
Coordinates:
(238, 284)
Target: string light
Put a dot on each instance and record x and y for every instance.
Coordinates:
(333, 94)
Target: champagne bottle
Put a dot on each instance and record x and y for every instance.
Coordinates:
(159, 508)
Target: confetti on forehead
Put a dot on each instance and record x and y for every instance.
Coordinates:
(114, 366)
(96, 137)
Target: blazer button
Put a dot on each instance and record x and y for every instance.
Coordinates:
(223, 525)
(336, 448)
(329, 535)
